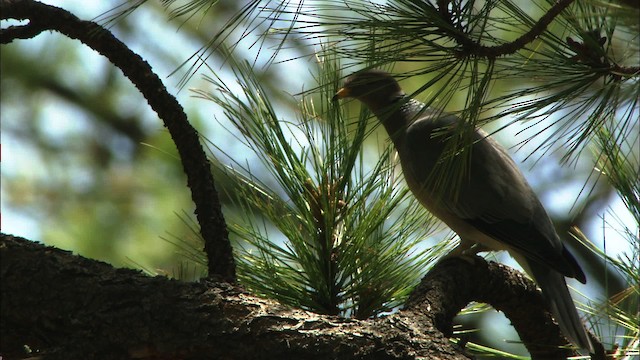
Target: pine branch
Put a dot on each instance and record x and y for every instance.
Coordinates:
(454, 283)
(473, 48)
(343, 238)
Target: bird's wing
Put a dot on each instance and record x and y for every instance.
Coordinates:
(493, 196)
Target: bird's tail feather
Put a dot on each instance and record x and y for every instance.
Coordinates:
(555, 291)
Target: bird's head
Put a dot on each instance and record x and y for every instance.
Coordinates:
(375, 88)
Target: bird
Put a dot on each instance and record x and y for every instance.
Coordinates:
(491, 207)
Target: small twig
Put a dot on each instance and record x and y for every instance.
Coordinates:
(626, 70)
(194, 160)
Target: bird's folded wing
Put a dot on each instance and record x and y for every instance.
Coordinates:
(499, 202)
(493, 195)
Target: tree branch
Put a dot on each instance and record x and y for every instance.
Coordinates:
(471, 47)
(63, 305)
(506, 290)
(195, 163)
(69, 307)
(19, 32)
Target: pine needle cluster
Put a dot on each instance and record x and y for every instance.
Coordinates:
(333, 232)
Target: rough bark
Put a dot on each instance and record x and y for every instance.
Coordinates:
(68, 307)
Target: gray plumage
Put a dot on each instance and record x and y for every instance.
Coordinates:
(492, 205)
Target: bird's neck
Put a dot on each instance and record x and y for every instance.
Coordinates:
(398, 115)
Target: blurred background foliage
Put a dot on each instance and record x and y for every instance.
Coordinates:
(88, 167)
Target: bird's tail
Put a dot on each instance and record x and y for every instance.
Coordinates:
(555, 291)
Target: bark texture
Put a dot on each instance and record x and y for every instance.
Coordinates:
(63, 306)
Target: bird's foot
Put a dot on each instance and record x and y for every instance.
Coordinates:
(466, 250)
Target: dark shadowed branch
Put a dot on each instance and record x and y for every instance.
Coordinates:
(71, 307)
(454, 283)
(196, 166)
(63, 305)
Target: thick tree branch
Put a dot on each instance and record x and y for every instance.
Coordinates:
(69, 307)
(43, 17)
(63, 305)
(504, 289)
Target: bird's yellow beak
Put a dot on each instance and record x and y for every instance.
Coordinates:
(341, 94)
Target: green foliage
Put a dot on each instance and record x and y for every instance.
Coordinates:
(336, 235)
(616, 160)
(621, 167)
(617, 318)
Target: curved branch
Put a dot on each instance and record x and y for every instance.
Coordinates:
(455, 282)
(470, 47)
(477, 49)
(195, 163)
